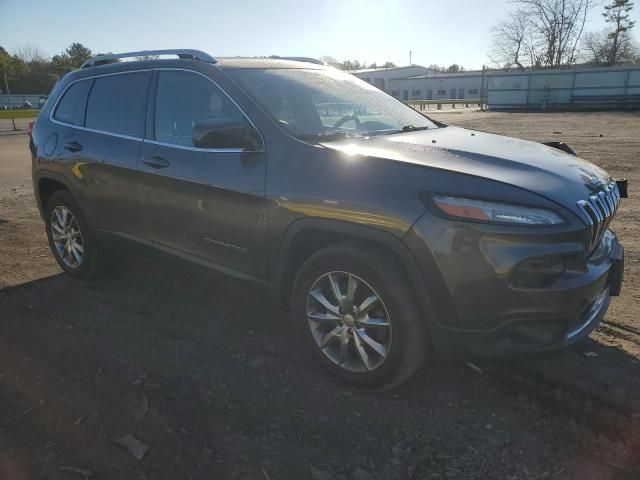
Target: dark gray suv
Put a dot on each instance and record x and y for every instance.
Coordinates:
(389, 235)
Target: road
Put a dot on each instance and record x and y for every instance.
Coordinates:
(202, 370)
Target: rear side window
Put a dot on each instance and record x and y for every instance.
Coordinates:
(117, 104)
(71, 107)
(183, 100)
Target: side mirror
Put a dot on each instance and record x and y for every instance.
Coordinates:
(224, 132)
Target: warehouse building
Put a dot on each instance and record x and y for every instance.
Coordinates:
(435, 86)
(572, 89)
(578, 88)
(381, 77)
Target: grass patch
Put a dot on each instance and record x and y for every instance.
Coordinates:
(7, 114)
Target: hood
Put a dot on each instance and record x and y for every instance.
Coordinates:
(546, 171)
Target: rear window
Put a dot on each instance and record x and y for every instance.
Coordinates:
(71, 107)
(117, 104)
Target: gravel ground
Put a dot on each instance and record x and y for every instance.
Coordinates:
(200, 369)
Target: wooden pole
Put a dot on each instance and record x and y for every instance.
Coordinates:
(6, 84)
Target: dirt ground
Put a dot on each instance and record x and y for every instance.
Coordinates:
(202, 370)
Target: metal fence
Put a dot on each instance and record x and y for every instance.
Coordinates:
(37, 101)
(575, 89)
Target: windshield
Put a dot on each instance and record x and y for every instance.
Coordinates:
(327, 104)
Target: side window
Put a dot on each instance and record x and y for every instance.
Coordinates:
(71, 107)
(117, 104)
(183, 100)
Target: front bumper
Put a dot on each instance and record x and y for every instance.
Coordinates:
(479, 308)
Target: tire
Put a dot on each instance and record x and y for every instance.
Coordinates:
(406, 341)
(84, 244)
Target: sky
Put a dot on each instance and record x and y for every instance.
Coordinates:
(441, 32)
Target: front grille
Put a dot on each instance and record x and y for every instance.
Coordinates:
(598, 211)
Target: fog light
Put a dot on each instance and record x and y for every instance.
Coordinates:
(537, 272)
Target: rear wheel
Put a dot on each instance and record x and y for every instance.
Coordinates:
(358, 317)
(70, 238)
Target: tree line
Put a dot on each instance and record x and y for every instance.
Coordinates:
(551, 34)
(28, 70)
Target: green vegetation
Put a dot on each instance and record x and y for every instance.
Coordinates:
(7, 114)
(29, 70)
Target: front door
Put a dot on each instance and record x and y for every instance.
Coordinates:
(203, 203)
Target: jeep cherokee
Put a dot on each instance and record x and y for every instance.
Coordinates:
(389, 235)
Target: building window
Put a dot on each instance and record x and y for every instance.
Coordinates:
(415, 93)
(473, 91)
(394, 93)
(441, 92)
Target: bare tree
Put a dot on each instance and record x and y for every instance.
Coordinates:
(594, 47)
(558, 24)
(31, 54)
(598, 49)
(540, 32)
(511, 39)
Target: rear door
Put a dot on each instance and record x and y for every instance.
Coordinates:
(113, 132)
(102, 147)
(206, 204)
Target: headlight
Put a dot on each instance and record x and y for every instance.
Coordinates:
(495, 212)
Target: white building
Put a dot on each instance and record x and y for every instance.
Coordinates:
(578, 88)
(381, 77)
(435, 86)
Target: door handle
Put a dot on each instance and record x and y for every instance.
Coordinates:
(156, 162)
(73, 146)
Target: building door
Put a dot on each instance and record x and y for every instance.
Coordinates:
(453, 93)
(405, 95)
(461, 93)
(430, 94)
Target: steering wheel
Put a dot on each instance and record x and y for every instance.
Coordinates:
(346, 119)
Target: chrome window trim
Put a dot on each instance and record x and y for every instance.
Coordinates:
(148, 140)
(197, 149)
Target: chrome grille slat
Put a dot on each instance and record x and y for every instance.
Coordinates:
(598, 211)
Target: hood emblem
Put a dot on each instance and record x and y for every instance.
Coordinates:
(594, 180)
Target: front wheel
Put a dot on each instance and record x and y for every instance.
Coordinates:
(358, 317)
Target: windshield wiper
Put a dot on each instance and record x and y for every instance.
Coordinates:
(411, 128)
(405, 129)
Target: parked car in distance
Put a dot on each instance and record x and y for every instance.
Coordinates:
(389, 236)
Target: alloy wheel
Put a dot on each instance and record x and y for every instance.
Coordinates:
(67, 237)
(349, 321)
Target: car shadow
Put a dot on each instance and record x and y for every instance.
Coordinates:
(224, 380)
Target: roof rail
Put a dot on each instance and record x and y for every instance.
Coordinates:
(182, 53)
(300, 59)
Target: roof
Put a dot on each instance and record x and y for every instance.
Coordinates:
(367, 70)
(238, 63)
(470, 73)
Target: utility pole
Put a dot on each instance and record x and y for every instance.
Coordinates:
(6, 84)
(410, 55)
